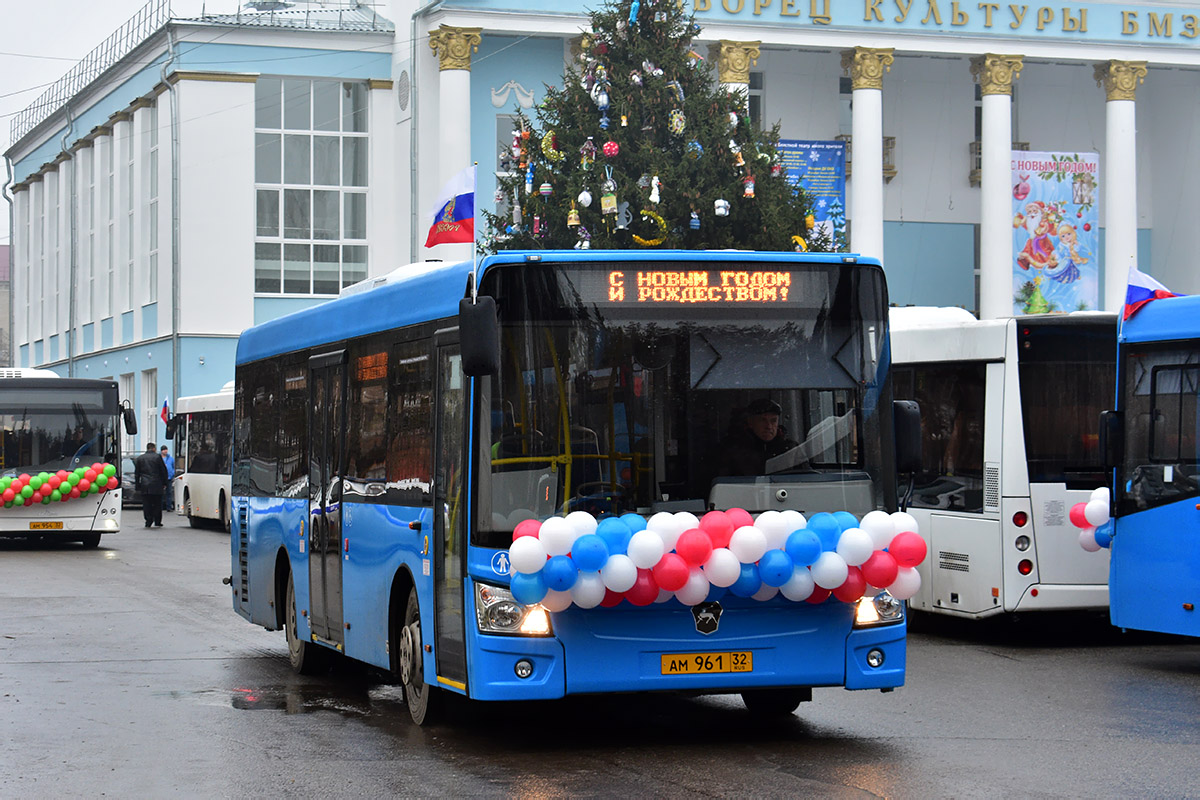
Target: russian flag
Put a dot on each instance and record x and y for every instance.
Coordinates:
(166, 413)
(1142, 289)
(454, 215)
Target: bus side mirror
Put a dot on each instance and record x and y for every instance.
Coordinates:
(479, 336)
(907, 417)
(1112, 438)
(172, 424)
(130, 420)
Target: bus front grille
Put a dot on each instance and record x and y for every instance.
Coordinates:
(959, 562)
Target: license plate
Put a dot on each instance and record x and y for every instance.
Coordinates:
(45, 526)
(705, 663)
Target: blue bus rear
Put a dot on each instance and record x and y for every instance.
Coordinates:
(1154, 574)
(377, 485)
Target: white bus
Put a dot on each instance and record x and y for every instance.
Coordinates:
(53, 432)
(203, 433)
(1010, 417)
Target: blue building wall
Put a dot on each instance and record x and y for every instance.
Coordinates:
(930, 263)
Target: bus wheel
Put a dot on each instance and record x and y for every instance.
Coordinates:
(774, 702)
(224, 515)
(306, 658)
(422, 699)
(187, 509)
(90, 540)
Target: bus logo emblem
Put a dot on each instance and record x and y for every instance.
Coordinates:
(708, 616)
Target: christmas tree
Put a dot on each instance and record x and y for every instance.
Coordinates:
(643, 148)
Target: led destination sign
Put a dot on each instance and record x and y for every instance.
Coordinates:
(690, 287)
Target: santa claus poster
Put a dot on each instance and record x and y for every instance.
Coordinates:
(1055, 232)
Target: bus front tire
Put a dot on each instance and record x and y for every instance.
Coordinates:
(423, 699)
(774, 702)
(187, 509)
(306, 658)
(90, 540)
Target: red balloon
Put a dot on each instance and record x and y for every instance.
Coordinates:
(853, 587)
(75, 491)
(612, 598)
(718, 526)
(84, 484)
(1077, 517)
(528, 527)
(24, 477)
(8, 495)
(98, 467)
(54, 481)
(28, 501)
(112, 483)
(880, 569)
(818, 596)
(740, 517)
(644, 591)
(694, 547)
(90, 475)
(908, 549)
(62, 475)
(37, 496)
(671, 572)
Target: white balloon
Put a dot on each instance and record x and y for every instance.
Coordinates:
(583, 523)
(907, 583)
(830, 571)
(904, 522)
(855, 546)
(748, 543)
(646, 548)
(662, 522)
(793, 521)
(765, 593)
(663, 596)
(1096, 512)
(695, 590)
(722, 568)
(619, 573)
(557, 536)
(1100, 493)
(686, 520)
(1087, 540)
(880, 527)
(527, 555)
(556, 601)
(589, 590)
(773, 526)
(800, 586)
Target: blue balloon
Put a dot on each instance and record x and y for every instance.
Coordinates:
(527, 589)
(804, 547)
(616, 534)
(636, 522)
(1104, 534)
(560, 573)
(845, 520)
(827, 529)
(589, 552)
(715, 593)
(776, 567)
(748, 582)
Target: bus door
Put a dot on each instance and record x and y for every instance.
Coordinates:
(327, 377)
(449, 512)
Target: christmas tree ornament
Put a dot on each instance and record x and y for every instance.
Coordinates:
(799, 245)
(545, 190)
(695, 58)
(572, 217)
(587, 154)
(604, 122)
(550, 147)
(676, 90)
(516, 208)
(776, 169)
(611, 149)
(585, 239)
(736, 149)
(624, 216)
(633, 11)
(516, 144)
(499, 196)
(635, 78)
(694, 222)
(655, 185)
(660, 16)
(733, 119)
(695, 150)
(810, 222)
(748, 186)
(644, 181)
(585, 198)
(537, 225)
(721, 207)
(529, 180)
(624, 121)
(676, 122)
(649, 68)
(659, 223)
(602, 100)
(608, 198)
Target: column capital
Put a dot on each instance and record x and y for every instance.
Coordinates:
(453, 46)
(1120, 78)
(734, 60)
(866, 66)
(995, 73)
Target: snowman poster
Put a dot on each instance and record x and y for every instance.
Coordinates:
(1055, 232)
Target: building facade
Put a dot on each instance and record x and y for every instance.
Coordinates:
(216, 172)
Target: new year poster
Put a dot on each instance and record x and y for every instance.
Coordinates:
(1055, 232)
(820, 169)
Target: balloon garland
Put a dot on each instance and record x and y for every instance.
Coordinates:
(61, 486)
(1092, 519)
(580, 560)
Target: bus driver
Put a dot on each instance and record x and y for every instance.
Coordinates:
(745, 451)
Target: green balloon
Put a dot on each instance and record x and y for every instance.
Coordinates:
(27, 492)
(56, 495)
(45, 476)
(109, 470)
(36, 482)
(8, 503)
(46, 500)
(79, 472)
(73, 479)
(5, 483)
(93, 489)
(101, 480)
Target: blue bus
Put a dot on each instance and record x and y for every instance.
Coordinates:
(387, 444)
(1153, 442)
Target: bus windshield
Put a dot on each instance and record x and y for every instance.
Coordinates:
(1067, 377)
(46, 428)
(624, 389)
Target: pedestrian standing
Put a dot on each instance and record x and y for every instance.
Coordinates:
(169, 495)
(150, 476)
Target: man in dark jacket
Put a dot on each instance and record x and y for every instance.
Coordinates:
(746, 451)
(150, 475)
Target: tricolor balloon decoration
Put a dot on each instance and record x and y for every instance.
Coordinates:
(1092, 519)
(61, 486)
(578, 560)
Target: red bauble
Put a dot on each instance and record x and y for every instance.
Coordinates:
(611, 149)
(1087, 226)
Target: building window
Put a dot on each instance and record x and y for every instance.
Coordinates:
(755, 99)
(150, 413)
(310, 173)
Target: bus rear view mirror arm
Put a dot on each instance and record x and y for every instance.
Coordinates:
(479, 336)
(907, 416)
(1112, 438)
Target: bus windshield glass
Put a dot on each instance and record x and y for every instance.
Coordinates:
(638, 388)
(1067, 377)
(46, 429)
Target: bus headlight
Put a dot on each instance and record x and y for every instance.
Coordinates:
(882, 609)
(497, 612)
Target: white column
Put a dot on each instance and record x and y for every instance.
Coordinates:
(996, 73)
(866, 67)
(1120, 80)
(453, 47)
